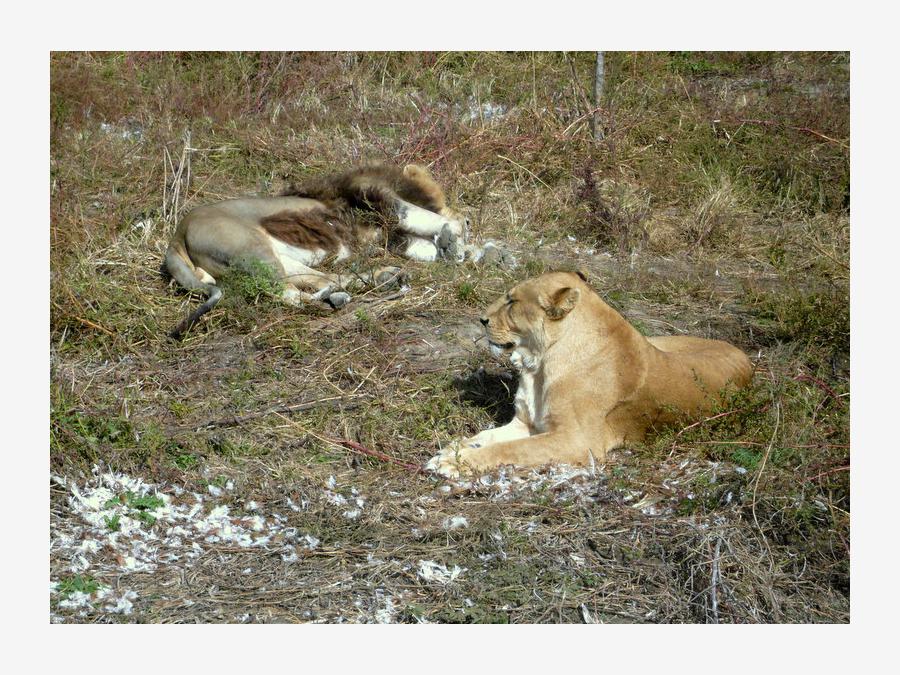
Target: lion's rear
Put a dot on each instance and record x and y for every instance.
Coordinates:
(716, 364)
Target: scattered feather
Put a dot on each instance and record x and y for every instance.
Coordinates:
(432, 572)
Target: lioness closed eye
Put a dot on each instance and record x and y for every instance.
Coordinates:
(589, 380)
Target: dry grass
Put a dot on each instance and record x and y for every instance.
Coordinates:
(716, 205)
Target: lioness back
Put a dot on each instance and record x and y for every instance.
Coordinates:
(731, 364)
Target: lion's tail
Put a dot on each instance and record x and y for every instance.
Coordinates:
(179, 266)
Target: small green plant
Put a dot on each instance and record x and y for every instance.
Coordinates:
(689, 63)
(139, 508)
(179, 408)
(145, 503)
(143, 516)
(298, 347)
(89, 433)
(185, 461)
(366, 323)
(747, 458)
(252, 280)
(78, 583)
(466, 293)
(219, 481)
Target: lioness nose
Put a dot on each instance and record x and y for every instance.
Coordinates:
(484, 320)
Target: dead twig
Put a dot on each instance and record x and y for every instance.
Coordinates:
(816, 381)
(762, 467)
(713, 597)
(94, 325)
(363, 450)
(805, 130)
(696, 424)
(826, 473)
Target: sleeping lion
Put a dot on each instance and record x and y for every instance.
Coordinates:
(589, 381)
(313, 224)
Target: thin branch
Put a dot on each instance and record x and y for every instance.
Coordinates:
(805, 130)
(826, 473)
(696, 424)
(824, 387)
(759, 474)
(363, 450)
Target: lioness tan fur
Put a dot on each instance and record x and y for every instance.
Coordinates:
(309, 225)
(589, 380)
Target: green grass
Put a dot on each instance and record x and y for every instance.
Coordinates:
(219, 482)
(816, 319)
(366, 323)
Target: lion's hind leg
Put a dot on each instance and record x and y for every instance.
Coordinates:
(328, 290)
(293, 296)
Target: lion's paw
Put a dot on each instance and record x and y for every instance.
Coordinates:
(444, 465)
(491, 254)
(391, 276)
(338, 299)
(448, 244)
(457, 458)
(448, 462)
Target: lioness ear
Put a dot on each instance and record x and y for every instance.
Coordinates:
(562, 302)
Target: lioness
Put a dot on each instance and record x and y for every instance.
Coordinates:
(589, 380)
(307, 225)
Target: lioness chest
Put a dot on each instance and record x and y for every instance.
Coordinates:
(530, 403)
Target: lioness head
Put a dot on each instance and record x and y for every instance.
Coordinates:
(528, 318)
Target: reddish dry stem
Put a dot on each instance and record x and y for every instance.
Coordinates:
(357, 447)
(830, 471)
(824, 387)
(804, 130)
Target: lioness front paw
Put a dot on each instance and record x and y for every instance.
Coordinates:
(444, 464)
(454, 460)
